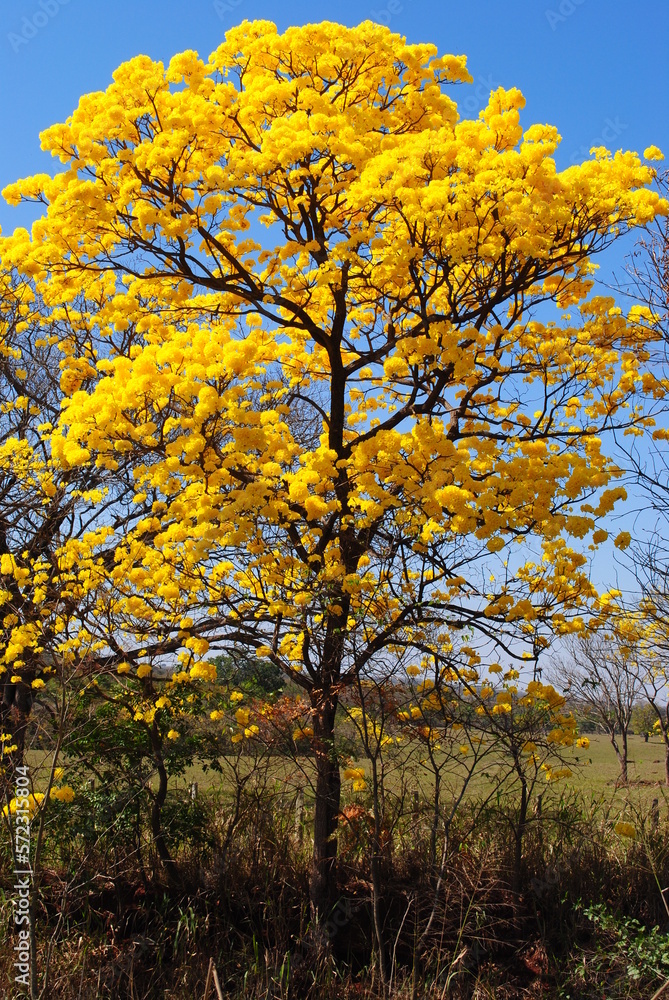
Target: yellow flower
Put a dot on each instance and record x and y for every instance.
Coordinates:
(34, 802)
(354, 773)
(58, 773)
(653, 153)
(7, 564)
(303, 732)
(216, 715)
(173, 734)
(583, 742)
(123, 668)
(242, 715)
(360, 785)
(37, 683)
(236, 696)
(625, 830)
(64, 794)
(144, 670)
(204, 671)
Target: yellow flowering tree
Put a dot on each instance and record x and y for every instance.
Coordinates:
(318, 290)
(42, 507)
(61, 627)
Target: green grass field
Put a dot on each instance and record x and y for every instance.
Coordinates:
(645, 764)
(595, 774)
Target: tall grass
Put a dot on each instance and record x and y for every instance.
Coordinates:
(578, 924)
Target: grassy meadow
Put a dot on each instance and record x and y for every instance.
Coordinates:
(595, 775)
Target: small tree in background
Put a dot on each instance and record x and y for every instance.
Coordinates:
(603, 675)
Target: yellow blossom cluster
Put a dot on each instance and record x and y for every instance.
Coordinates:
(34, 802)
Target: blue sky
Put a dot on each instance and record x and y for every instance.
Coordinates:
(597, 69)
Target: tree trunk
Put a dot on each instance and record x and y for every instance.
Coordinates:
(14, 715)
(157, 806)
(623, 762)
(375, 867)
(621, 754)
(435, 818)
(323, 881)
(156, 817)
(519, 834)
